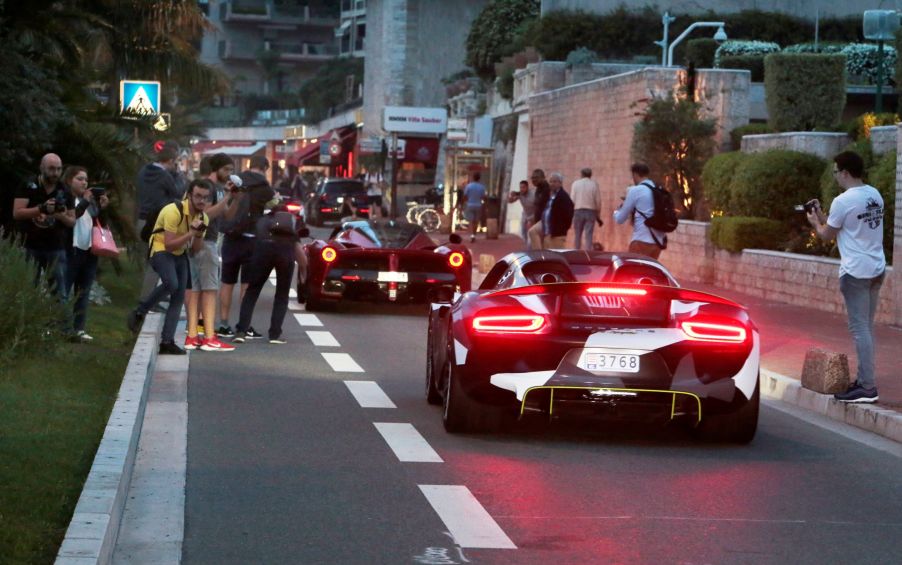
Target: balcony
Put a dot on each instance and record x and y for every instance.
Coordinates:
(265, 11)
(236, 51)
(235, 11)
(278, 117)
(302, 52)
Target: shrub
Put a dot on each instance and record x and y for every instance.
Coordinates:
(825, 48)
(804, 91)
(582, 56)
(748, 129)
(753, 63)
(882, 176)
(740, 232)
(675, 142)
(493, 31)
(700, 52)
(559, 32)
(736, 47)
(32, 317)
(770, 184)
(862, 61)
(860, 128)
(717, 176)
(898, 67)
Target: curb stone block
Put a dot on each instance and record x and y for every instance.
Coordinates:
(825, 372)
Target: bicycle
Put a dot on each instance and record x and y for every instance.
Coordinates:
(425, 215)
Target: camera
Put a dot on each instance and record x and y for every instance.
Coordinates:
(55, 204)
(807, 207)
(98, 191)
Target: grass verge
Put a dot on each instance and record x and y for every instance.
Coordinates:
(53, 410)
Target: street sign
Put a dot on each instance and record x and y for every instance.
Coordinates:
(334, 148)
(402, 145)
(325, 158)
(457, 129)
(139, 98)
(410, 119)
(164, 122)
(880, 25)
(370, 146)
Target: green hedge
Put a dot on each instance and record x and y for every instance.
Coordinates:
(741, 232)
(717, 176)
(770, 184)
(700, 52)
(749, 129)
(804, 91)
(753, 63)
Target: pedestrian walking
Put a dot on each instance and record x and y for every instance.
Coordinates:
(44, 209)
(558, 214)
(474, 195)
(587, 203)
(526, 198)
(156, 187)
(82, 263)
(179, 225)
(856, 222)
(639, 206)
(536, 233)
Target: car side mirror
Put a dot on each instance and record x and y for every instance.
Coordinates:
(443, 295)
(454, 238)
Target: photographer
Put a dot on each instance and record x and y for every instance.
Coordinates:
(856, 221)
(180, 225)
(638, 206)
(82, 262)
(45, 215)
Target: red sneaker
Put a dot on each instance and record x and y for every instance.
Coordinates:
(192, 343)
(213, 344)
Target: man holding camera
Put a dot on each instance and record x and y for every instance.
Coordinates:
(45, 211)
(856, 222)
(179, 225)
(639, 205)
(587, 201)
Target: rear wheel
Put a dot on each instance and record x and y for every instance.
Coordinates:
(738, 426)
(460, 413)
(432, 394)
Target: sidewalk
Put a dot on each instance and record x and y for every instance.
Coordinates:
(787, 333)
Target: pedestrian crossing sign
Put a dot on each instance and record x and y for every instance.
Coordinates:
(139, 98)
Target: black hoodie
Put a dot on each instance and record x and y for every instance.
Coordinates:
(156, 188)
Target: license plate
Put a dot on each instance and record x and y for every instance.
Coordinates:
(392, 276)
(610, 362)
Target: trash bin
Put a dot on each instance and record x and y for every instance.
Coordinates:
(492, 215)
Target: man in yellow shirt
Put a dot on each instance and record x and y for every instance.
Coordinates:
(179, 225)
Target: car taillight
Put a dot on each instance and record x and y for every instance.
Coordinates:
(513, 324)
(616, 291)
(456, 259)
(293, 208)
(329, 254)
(716, 333)
(326, 210)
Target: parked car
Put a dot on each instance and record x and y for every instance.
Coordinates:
(333, 199)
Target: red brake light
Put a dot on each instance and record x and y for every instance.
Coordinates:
(293, 207)
(326, 210)
(456, 259)
(718, 333)
(616, 291)
(329, 254)
(517, 324)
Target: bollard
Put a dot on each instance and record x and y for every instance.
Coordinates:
(826, 372)
(486, 262)
(491, 228)
(444, 225)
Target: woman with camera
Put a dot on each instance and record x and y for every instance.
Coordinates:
(82, 263)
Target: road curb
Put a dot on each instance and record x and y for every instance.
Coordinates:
(868, 417)
(92, 532)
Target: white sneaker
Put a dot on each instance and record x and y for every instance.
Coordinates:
(83, 337)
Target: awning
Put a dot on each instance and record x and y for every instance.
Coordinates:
(244, 151)
(343, 28)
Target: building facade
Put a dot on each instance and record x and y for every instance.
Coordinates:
(350, 35)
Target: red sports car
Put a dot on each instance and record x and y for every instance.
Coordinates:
(385, 261)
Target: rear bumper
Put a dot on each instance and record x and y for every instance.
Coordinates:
(366, 286)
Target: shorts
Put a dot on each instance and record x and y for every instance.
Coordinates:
(473, 213)
(205, 267)
(237, 253)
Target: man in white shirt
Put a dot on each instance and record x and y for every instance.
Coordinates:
(856, 221)
(587, 204)
(527, 200)
(639, 205)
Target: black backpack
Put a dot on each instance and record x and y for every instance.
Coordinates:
(148, 229)
(664, 217)
(283, 223)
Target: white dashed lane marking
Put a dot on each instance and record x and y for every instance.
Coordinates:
(466, 519)
(292, 305)
(322, 339)
(342, 362)
(369, 395)
(308, 320)
(407, 443)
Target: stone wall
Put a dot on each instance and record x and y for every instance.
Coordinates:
(883, 139)
(591, 124)
(823, 144)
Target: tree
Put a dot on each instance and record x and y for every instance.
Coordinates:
(493, 32)
(675, 142)
(327, 88)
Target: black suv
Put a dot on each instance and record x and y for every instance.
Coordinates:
(329, 201)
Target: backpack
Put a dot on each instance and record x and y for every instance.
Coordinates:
(283, 223)
(148, 229)
(664, 217)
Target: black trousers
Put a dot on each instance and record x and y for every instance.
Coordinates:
(268, 255)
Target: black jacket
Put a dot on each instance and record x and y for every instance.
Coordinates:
(156, 188)
(252, 204)
(561, 214)
(543, 192)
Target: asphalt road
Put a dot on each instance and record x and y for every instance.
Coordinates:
(286, 465)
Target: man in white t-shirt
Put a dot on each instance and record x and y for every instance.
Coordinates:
(639, 205)
(856, 221)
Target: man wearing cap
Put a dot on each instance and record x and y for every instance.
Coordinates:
(205, 262)
(156, 188)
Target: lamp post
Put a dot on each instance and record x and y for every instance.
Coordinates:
(880, 26)
(667, 19)
(720, 36)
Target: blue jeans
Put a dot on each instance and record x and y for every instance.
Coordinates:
(82, 272)
(52, 264)
(584, 227)
(862, 298)
(173, 271)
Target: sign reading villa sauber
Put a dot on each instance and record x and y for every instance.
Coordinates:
(409, 119)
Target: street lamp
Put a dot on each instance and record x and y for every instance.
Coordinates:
(719, 36)
(667, 19)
